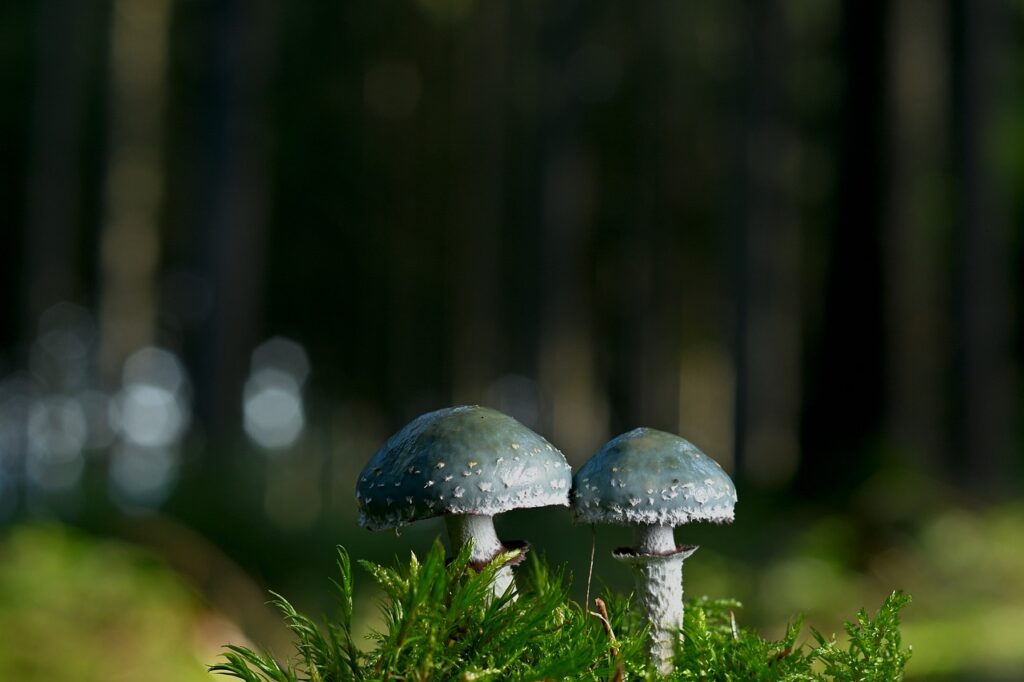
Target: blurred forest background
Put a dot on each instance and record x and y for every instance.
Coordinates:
(243, 242)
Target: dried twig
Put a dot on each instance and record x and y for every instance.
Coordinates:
(590, 571)
(602, 614)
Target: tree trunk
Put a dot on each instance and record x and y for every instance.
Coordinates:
(64, 44)
(130, 240)
(234, 205)
(916, 233)
(768, 346)
(983, 264)
(844, 371)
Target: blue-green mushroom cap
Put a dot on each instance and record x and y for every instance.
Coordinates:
(649, 477)
(460, 460)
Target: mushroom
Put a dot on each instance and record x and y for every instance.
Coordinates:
(654, 481)
(465, 464)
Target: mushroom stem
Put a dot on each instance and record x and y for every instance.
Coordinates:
(659, 580)
(654, 539)
(479, 528)
(658, 570)
(476, 527)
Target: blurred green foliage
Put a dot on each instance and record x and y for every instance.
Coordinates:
(964, 567)
(106, 611)
(969, 568)
(72, 608)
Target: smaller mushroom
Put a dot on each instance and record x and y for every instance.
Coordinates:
(654, 481)
(467, 464)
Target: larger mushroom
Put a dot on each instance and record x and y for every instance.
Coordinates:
(466, 464)
(653, 481)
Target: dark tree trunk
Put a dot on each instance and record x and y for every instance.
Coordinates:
(566, 350)
(478, 129)
(234, 205)
(655, 229)
(916, 235)
(983, 261)
(844, 374)
(768, 346)
(65, 34)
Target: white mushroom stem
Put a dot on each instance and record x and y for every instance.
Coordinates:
(654, 539)
(658, 571)
(479, 529)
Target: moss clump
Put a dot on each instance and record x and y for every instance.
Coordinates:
(441, 624)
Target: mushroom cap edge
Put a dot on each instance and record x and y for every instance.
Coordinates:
(650, 477)
(460, 460)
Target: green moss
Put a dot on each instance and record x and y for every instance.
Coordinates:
(439, 624)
